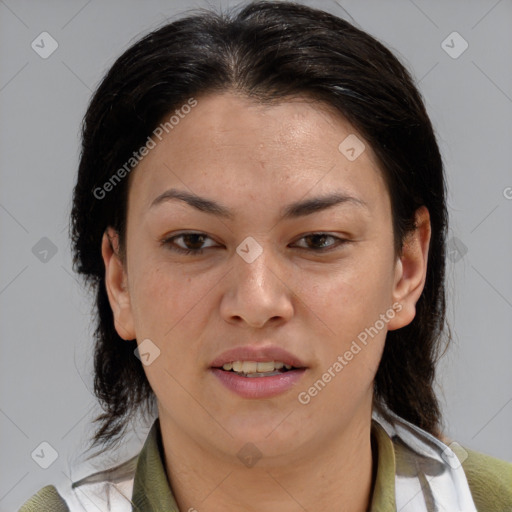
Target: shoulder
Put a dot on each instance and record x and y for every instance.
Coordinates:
(47, 499)
(108, 489)
(105, 487)
(489, 479)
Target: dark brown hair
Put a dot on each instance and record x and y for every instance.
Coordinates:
(269, 51)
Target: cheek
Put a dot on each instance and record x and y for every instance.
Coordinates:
(350, 336)
(167, 309)
(175, 310)
(350, 294)
(346, 307)
(162, 297)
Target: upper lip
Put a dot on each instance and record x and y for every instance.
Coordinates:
(257, 354)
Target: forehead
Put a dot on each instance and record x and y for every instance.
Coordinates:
(230, 145)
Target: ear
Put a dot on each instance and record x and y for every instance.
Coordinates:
(411, 271)
(116, 285)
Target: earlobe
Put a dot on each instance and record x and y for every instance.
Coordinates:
(116, 285)
(411, 270)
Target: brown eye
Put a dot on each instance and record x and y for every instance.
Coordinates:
(191, 241)
(318, 242)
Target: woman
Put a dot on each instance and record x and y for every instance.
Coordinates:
(260, 207)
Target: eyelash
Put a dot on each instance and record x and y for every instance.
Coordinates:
(196, 252)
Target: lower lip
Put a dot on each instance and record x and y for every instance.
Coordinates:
(259, 387)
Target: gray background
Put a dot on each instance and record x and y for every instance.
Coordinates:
(45, 322)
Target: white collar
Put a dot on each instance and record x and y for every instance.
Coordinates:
(428, 477)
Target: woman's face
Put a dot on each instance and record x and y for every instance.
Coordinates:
(262, 289)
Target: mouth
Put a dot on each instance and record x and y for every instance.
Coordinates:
(257, 369)
(258, 372)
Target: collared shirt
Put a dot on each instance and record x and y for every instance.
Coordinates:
(141, 484)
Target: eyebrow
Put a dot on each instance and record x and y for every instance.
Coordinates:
(291, 211)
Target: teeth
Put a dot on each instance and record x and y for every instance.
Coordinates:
(249, 367)
(255, 367)
(264, 367)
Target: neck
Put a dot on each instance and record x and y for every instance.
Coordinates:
(334, 476)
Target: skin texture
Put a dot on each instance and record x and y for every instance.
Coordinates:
(255, 159)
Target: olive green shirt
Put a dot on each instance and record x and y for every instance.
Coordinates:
(489, 479)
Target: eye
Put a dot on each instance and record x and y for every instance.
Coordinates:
(320, 239)
(189, 239)
(193, 242)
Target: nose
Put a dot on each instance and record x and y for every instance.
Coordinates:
(257, 292)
